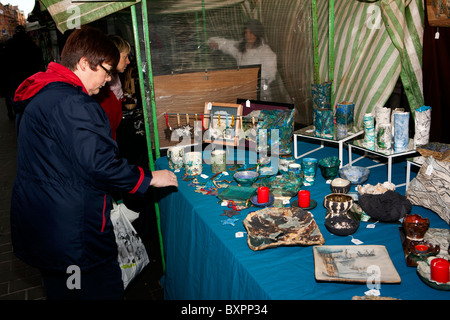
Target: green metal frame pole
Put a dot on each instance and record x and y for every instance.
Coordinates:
(315, 42)
(150, 76)
(147, 129)
(331, 47)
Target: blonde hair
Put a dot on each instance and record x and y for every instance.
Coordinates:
(121, 44)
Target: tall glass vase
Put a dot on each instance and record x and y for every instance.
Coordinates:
(344, 118)
(324, 123)
(321, 95)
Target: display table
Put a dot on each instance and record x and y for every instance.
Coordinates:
(207, 259)
(388, 154)
(308, 132)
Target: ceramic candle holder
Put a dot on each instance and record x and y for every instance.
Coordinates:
(193, 163)
(175, 155)
(415, 227)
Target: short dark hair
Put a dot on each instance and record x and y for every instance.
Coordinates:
(92, 44)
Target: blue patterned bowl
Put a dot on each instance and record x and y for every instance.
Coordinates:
(356, 175)
(246, 178)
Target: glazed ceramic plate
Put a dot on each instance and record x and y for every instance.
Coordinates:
(255, 202)
(354, 263)
(312, 204)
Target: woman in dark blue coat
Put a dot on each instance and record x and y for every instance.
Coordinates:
(67, 165)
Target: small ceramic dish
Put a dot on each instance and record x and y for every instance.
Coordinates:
(255, 202)
(312, 204)
(424, 272)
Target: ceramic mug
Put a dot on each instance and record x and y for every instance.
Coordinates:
(193, 163)
(309, 166)
(175, 155)
(218, 161)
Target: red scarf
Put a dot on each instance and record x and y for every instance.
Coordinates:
(55, 73)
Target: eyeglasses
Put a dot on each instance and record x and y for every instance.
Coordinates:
(108, 72)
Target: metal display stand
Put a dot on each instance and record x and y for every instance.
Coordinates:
(308, 132)
(388, 154)
(417, 161)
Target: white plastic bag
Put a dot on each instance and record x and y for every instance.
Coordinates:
(132, 255)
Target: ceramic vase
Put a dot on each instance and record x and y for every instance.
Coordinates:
(324, 123)
(193, 163)
(369, 131)
(337, 219)
(382, 115)
(321, 95)
(422, 126)
(401, 131)
(344, 119)
(218, 161)
(175, 156)
(384, 136)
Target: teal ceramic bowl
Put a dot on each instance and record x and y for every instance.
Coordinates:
(329, 167)
(246, 178)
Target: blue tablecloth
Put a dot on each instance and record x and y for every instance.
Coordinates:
(205, 259)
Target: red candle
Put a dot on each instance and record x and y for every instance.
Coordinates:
(421, 248)
(263, 194)
(303, 199)
(440, 269)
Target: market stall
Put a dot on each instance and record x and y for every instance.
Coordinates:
(330, 57)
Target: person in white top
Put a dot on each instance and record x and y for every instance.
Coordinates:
(251, 50)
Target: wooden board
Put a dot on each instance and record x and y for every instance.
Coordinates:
(188, 93)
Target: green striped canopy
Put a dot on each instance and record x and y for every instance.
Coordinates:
(375, 44)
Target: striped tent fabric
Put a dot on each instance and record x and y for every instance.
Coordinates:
(375, 44)
(69, 14)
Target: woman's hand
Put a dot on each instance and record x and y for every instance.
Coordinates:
(163, 178)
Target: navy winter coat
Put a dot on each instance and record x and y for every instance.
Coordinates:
(66, 166)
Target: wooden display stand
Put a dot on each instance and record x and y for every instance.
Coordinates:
(187, 93)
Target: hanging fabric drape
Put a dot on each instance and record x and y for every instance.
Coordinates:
(375, 44)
